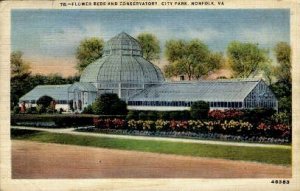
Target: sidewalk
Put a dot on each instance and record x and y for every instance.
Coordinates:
(71, 131)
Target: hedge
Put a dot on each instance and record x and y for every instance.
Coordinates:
(57, 120)
(251, 115)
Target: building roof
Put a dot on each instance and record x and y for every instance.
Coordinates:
(122, 63)
(89, 87)
(57, 92)
(122, 44)
(214, 90)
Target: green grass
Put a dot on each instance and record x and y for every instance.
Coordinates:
(280, 156)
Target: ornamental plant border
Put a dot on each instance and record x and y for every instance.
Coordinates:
(226, 127)
(188, 135)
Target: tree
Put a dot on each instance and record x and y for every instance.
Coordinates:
(283, 57)
(268, 72)
(20, 74)
(109, 104)
(22, 81)
(283, 87)
(199, 110)
(246, 59)
(89, 50)
(213, 62)
(55, 79)
(191, 58)
(150, 46)
(283, 92)
(18, 66)
(45, 101)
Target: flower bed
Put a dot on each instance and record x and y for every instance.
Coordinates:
(189, 135)
(235, 128)
(226, 114)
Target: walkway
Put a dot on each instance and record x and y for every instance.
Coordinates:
(70, 161)
(71, 131)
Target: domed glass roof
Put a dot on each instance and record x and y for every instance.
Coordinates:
(122, 44)
(122, 62)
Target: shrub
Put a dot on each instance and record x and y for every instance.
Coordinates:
(256, 116)
(16, 110)
(217, 114)
(132, 114)
(285, 104)
(50, 110)
(142, 116)
(174, 115)
(109, 104)
(164, 115)
(72, 120)
(71, 105)
(281, 131)
(44, 101)
(281, 117)
(60, 110)
(57, 119)
(119, 108)
(40, 109)
(30, 110)
(88, 110)
(226, 114)
(152, 115)
(199, 110)
(185, 115)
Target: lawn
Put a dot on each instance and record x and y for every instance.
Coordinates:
(281, 156)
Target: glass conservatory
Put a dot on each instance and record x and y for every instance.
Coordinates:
(123, 70)
(220, 94)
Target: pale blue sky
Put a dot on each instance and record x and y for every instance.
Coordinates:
(57, 33)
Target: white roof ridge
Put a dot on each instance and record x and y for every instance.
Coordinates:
(213, 81)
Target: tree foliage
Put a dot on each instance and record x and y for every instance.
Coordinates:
(18, 66)
(283, 87)
(214, 61)
(283, 92)
(89, 50)
(150, 46)
(22, 81)
(44, 101)
(19, 77)
(283, 56)
(109, 104)
(192, 58)
(246, 59)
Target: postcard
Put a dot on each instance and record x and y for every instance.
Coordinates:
(149, 95)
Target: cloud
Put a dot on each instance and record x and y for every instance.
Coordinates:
(63, 42)
(163, 33)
